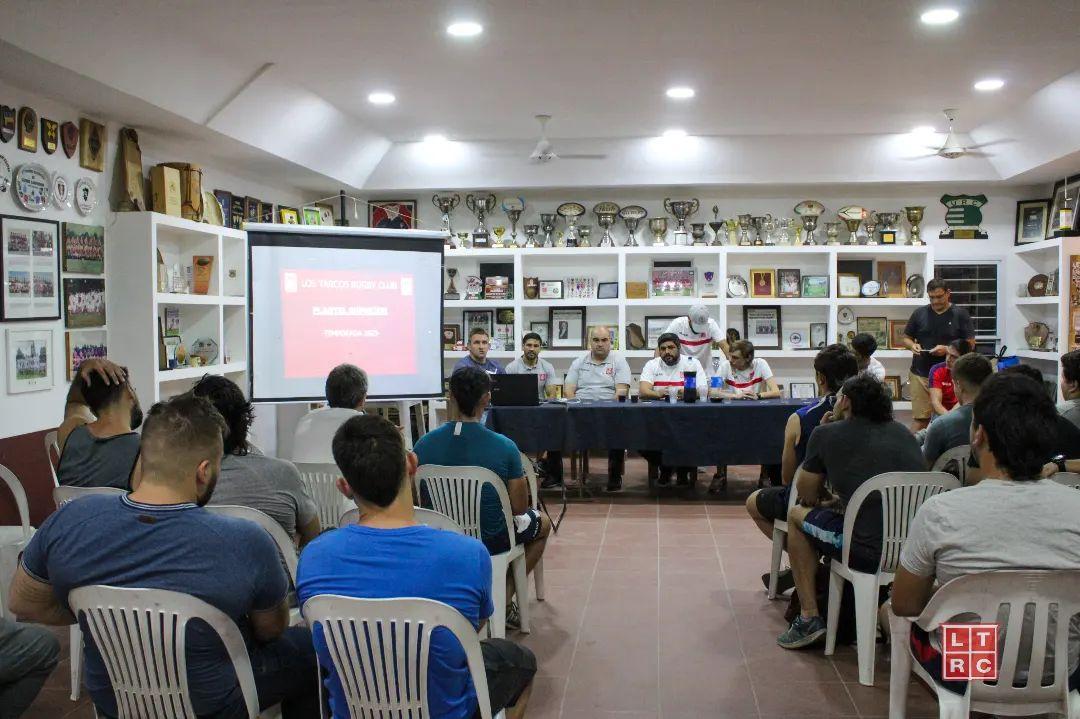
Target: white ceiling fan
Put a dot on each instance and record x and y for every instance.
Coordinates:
(953, 149)
(545, 151)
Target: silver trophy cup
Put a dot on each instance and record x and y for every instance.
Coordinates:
(513, 207)
(570, 211)
(631, 216)
(547, 224)
(446, 205)
(658, 226)
(606, 212)
(681, 210)
(481, 206)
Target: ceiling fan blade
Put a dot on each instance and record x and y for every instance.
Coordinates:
(922, 157)
(990, 144)
(582, 157)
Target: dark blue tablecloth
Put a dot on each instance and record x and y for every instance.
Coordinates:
(729, 432)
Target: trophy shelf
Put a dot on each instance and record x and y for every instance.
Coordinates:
(680, 302)
(799, 301)
(1048, 300)
(175, 298)
(579, 302)
(1045, 247)
(881, 301)
(171, 375)
(1046, 356)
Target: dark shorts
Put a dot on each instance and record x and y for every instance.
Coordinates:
(772, 502)
(825, 530)
(509, 668)
(501, 543)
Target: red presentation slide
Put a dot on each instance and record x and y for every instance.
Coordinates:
(358, 316)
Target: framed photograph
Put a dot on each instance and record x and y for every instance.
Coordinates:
(30, 267)
(567, 328)
(876, 326)
(172, 321)
(672, 281)
(892, 277)
(392, 214)
(892, 384)
(225, 200)
(84, 302)
(29, 360)
(544, 330)
(815, 286)
(84, 249)
(551, 289)
(819, 335)
(84, 345)
(896, 334)
(311, 216)
(761, 325)
(848, 285)
(1032, 221)
(802, 390)
(654, 327)
(451, 335)
(607, 291)
(288, 216)
(1059, 202)
(326, 215)
(613, 329)
(472, 319)
(789, 283)
(798, 336)
(762, 283)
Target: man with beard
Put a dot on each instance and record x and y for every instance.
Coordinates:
(660, 376)
(98, 443)
(546, 381)
(160, 537)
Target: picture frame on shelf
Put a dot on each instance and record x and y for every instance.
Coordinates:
(81, 345)
(798, 336)
(819, 335)
(326, 215)
(83, 249)
(762, 283)
(288, 215)
(567, 327)
(1032, 221)
(763, 327)
(607, 291)
(473, 319)
(225, 201)
(613, 329)
(29, 268)
(892, 276)
(544, 330)
(815, 286)
(876, 326)
(551, 289)
(896, 334)
(451, 335)
(848, 285)
(789, 283)
(392, 214)
(1058, 201)
(310, 216)
(802, 390)
(654, 327)
(892, 386)
(672, 279)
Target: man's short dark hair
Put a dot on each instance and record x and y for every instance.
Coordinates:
(869, 398)
(531, 336)
(1025, 370)
(346, 386)
(184, 427)
(99, 394)
(667, 337)
(477, 331)
(1070, 366)
(836, 363)
(972, 369)
(1020, 423)
(864, 343)
(468, 385)
(962, 346)
(228, 399)
(743, 347)
(936, 284)
(370, 452)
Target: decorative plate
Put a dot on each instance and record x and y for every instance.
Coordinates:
(916, 286)
(33, 186)
(5, 174)
(871, 288)
(206, 348)
(633, 212)
(736, 287)
(85, 195)
(1036, 334)
(1037, 285)
(813, 208)
(570, 209)
(845, 316)
(61, 191)
(795, 339)
(212, 209)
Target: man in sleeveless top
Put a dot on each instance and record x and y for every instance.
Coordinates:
(98, 443)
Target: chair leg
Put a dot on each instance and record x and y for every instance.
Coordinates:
(832, 619)
(777, 555)
(954, 706)
(866, 593)
(497, 625)
(538, 578)
(899, 666)
(521, 589)
(75, 646)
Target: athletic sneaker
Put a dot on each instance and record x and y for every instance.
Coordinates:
(719, 483)
(785, 580)
(550, 483)
(513, 616)
(614, 484)
(802, 633)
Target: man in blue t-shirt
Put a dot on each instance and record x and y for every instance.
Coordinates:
(388, 554)
(479, 344)
(160, 537)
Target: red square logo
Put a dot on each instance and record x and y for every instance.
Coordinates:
(969, 651)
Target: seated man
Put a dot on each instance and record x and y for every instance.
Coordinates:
(547, 383)
(832, 367)
(859, 441)
(468, 443)
(99, 446)
(600, 375)
(864, 346)
(1066, 439)
(28, 655)
(160, 537)
(659, 377)
(1011, 520)
(954, 429)
(389, 554)
(1070, 387)
(249, 479)
(346, 392)
(942, 394)
(479, 345)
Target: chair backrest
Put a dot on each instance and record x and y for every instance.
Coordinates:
(281, 538)
(530, 477)
(1069, 479)
(21, 504)
(321, 481)
(380, 650)
(141, 636)
(902, 493)
(52, 447)
(455, 492)
(428, 517)
(1049, 598)
(63, 495)
(959, 457)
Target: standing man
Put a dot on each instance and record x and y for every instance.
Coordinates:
(600, 375)
(929, 331)
(697, 332)
(479, 344)
(530, 363)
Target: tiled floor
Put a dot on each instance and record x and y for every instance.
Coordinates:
(655, 608)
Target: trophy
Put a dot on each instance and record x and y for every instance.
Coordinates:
(584, 233)
(480, 205)
(784, 225)
(451, 291)
(809, 211)
(914, 215)
(697, 231)
(446, 205)
(464, 241)
(530, 235)
(716, 225)
(570, 211)
(832, 231)
(632, 215)
(681, 210)
(888, 231)
(658, 226)
(513, 207)
(547, 224)
(770, 227)
(606, 212)
(499, 232)
(852, 215)
(731, 227)
(759, 229)
(744, 231)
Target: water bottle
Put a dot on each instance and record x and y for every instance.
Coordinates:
(689, 387)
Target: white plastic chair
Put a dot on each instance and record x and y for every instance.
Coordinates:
(428, 517)
(321, 481)
(534, 502)
(779, 534)
(1069, 479)
(13, 538)
(990, 595)
(141, 636)
(902, 493)
(52, 447)
(455, 492)
(960, 455)
(64, 495)
(380, 650)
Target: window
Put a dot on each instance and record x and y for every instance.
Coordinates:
(975, 288)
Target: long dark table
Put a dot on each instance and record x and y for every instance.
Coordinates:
(706, 433)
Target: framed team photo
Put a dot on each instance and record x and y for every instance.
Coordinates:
(29, 268)
(84, 302)
(392, 214)
(84, 249)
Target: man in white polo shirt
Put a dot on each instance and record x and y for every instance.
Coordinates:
(600, 375)
(697, 332)
(659, 377)
(530, 362)
(346, 392)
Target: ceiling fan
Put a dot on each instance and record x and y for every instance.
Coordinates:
(545, 151)
(952, 149)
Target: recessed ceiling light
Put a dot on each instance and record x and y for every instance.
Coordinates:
(464, 29)
(989, 84)
(680, 93)
(675, 133)
(939, 16)
(381, 98)
(435, 138)
(923, 130)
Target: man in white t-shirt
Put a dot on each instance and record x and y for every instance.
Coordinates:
(346, 392)
(864, 346)
(697, 332)
(659, 378)
(530, 362)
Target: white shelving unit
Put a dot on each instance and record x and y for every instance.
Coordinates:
(134, 305)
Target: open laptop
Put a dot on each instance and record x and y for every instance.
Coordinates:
(514, 390)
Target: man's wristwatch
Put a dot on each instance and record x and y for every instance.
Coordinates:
(1059, 460)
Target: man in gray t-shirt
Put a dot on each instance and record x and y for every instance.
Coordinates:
(953, 429)
(1070, 387)
(530, 362)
